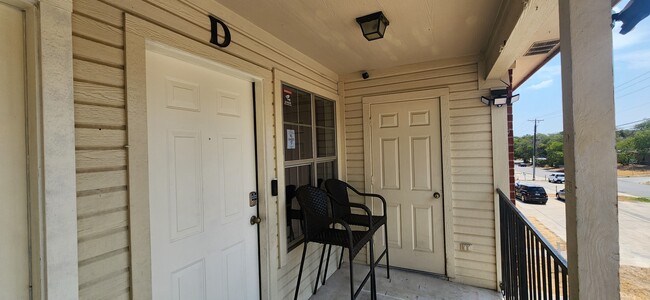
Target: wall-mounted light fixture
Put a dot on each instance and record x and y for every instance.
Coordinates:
(500, 97)
(373, 25)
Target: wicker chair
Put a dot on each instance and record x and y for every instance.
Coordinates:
(341, 209)
(319, 228)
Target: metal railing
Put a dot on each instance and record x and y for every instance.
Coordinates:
(531, 267)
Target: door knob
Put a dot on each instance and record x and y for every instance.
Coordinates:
(255, 220)
(436, 195)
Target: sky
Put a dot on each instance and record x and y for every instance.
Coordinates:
(541, 94)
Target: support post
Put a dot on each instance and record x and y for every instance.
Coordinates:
(590, 157)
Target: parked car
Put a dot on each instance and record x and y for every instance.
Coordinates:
(560, 195)
(527, 192)
(556, 178)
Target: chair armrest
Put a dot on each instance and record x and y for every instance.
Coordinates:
(383, 200)
(366, 209)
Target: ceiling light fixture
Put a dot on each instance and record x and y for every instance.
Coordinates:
(373, 25)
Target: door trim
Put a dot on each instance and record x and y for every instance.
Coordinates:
(141, 35)
(51, 158)
(443, 94)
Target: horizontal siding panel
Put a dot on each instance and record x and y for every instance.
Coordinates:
(93, 51)
(473, 136)
(472, 171)
(472, 153)
(353, 121)
(473, 222)
(418, 84)
(471, 162)
(472, 187)
(471, 145)
(461, 87)
(97, 73)
(91, 93)
(487, 265)
(466, 103)
(410, 77)
(474, 196)
(486, 232)
(473, 94)
(465, 204)
(488, 260)
(476, 111)
(353, 128)
(474, 214)
(97, 31)
(349, 136)
(354, 142)
(100, 159)
(115, 287)
(93, 271)
(100, 11)
(98, 180)
(353, 114)
(97, 138)
(469, 120)
(353, 103)
(99, 116)
(486, 250)
(474, 239)
(470, 128)
(91, 248)
(101, 224)
(97, 203)
(472, 179)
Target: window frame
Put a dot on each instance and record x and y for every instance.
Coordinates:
(325, 91)
(315, 160)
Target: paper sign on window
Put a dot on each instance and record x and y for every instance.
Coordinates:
(291, 139)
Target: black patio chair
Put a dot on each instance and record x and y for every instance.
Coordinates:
(319, 228)
(339, 191)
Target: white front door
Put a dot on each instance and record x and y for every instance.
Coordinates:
(201, 170)
(407, 171)
(14, 252)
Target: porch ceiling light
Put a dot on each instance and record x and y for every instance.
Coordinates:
(499, 97)
(373, 25)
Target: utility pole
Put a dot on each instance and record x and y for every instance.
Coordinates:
(535, 145)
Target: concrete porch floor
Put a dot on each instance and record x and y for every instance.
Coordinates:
(402, 285)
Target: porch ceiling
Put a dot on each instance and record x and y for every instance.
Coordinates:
(420, 30)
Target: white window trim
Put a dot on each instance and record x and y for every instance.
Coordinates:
(279, 78)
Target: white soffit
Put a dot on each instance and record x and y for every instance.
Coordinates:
(419, 30)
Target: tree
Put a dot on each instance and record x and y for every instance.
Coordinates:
(524, 148)
(641, 142)
(555, 153)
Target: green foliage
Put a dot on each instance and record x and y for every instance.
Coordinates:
(555, 153)
(632, 146)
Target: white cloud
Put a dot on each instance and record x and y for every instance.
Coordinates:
(541, 85)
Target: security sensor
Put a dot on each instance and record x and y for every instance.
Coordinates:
(365, 75)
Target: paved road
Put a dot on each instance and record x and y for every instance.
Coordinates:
(628, 185)
(634, 218)
(634, 186)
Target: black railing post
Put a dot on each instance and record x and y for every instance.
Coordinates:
(529, 264)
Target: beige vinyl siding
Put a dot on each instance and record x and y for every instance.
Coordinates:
(101, 129)
(471, 153)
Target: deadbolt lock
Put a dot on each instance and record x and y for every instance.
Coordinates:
(436, 195)
(255, 220)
